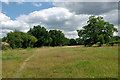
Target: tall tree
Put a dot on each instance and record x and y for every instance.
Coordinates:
(42, 35)
(58, 37)
(79, 41)
(73, 42)
(96, 30)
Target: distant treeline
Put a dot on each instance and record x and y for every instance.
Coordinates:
(97, 31)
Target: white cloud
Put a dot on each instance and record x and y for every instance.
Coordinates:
(37, 4)
(13, 25)
(112, 17)
(21, 1)
(8, 25)
(94, 8)
(52, 18)
(85, 0)
(18, 1)
(5, 1)
(71, 34)
(6, 30)
(3, 17)
(56, 18)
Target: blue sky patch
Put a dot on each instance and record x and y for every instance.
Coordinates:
(14, 9)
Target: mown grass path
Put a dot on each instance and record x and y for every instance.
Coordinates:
(23, 65)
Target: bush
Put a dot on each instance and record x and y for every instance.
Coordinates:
(117, 42)
(99, 44)
(111, 43)
(5, 47)
(72, 42)
(114, 42)
(19, 39)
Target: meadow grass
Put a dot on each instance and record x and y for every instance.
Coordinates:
(62, 62)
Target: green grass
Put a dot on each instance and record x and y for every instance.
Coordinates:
(62, 62)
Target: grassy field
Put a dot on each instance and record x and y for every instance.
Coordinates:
(61, 62)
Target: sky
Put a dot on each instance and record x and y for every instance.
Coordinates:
(65, 16)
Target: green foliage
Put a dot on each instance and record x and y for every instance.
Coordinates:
(19, 39)
(73, 42)
(75, 61)
(5, 47)
(0, 40)
(97, 30)
(36, 37)
(42, 35)
(79, 41)
(66, 42)
(118, 42)
(29, 41)
(99, 44)
(115, 38)
(114, 42)
(4, 39)
(101, 39)
(111, 43)
(58, 38)
(11, 58)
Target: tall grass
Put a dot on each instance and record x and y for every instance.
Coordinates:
(62, 62)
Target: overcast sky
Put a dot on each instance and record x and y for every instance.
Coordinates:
(65, 16)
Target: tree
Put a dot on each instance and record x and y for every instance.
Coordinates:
(42, 35)
(79, 41)
(96, 30)
(101, 40)
(28, 41)
(4, 39)
(0, 39)
(14, 39)
(58, 37)
(73, 42)
(116, 38)
(66, 41)
(19, 39)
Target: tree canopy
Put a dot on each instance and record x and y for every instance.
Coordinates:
(96, 30)
(72, 42)
(58, 37)
(42, 35)
(19, 39)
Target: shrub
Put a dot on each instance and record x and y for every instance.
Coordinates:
(111, 43)
(99, 44)
(19, 39)
(5, 47)
(117, 42)
(114, 42)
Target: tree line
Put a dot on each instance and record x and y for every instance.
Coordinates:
(36, 37)
(97, 31)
